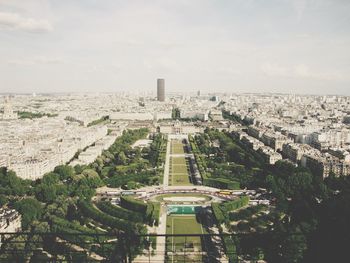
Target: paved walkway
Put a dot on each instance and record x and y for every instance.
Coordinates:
(159, 253)
(161, 230)
(167, 164)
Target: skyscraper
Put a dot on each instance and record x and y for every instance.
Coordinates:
(160, 89)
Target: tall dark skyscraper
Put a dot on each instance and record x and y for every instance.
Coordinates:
(160, 89)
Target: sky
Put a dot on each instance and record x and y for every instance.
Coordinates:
(284, 46)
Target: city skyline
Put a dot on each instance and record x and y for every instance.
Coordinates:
(291, 47)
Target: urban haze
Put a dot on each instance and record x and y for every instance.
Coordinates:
(175, 131)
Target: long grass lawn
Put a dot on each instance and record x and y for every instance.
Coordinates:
(180, 224)
(178, 161)
(179, 179)
(178, 172)
(177, 147)
(178, 168)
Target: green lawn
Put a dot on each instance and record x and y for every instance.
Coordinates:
(178, 173)
(178, 161)
(179, 179)
(180, 224)
(179, 169)
(177, 147)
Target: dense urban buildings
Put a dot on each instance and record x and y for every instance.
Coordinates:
(310, 131)
(179, 166)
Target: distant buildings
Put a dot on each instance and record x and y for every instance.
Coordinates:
(311, 131)
(8, 113)
(216, 115)
(300, 128)
(324, 165)
(194, 114)
(161, 90)
(92, 152)
(141, 116)
(179, 128)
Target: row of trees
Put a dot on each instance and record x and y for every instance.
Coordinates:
(213, 151)
(156, 152)
(127, 167)
(98, 121)
(34, 115)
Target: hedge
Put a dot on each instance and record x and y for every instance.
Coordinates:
(220, 218)
(119, 212)
(91, 212)
(156, 213)
(221, 211)
(72, 225)
(152, 213)
(133, 204)
(63, 226)
(235, 204)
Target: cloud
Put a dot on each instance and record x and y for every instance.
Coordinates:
(302, 71)
(299, 7)
(272, 69)
(305, 72)
(14, 21)
(36, 61)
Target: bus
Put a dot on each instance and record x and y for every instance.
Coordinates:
(225, 192)
(127, 193)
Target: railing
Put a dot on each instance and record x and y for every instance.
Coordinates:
(82, 247)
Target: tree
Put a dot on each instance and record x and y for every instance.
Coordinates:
(79, 168)
(64, 171)
(175, 115)
(3, 200)
(45, 193)
(92, 178)
(10, 184)
(131, 185)
(50, 179)
(83, 189)
(30, 209)
(121, 158)
(330, 241)
(107, 156)
(294, 246)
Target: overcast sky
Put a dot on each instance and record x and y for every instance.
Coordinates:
(289, 46)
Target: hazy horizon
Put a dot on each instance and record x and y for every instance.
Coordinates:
(238, 46)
